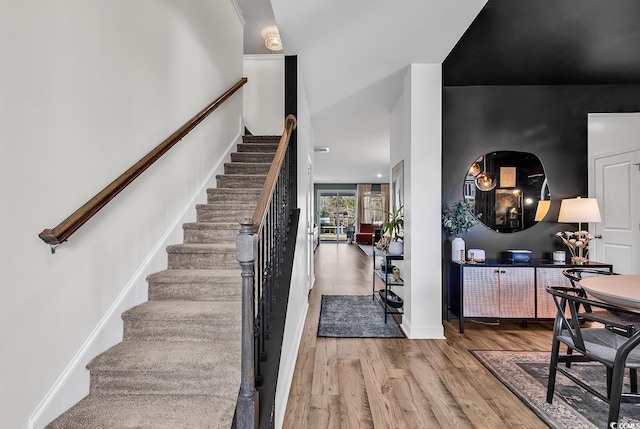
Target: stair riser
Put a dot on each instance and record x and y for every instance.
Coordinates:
(258, 147)
(216, 214)
(215, 196)
(195, 291)
(252, 157)
(161, 382)
(181, 330)
(231, 181)
(246, 168)
(211, 235)
(206, 261)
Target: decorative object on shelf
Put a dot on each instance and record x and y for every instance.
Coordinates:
(458, 220)
(391, 298)
(457, 249)
(559, 256)
(393, 227)
(519, 255)
(578, 210)
(476, 256)
(396, 274)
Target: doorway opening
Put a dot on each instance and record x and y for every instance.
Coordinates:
(336, 215)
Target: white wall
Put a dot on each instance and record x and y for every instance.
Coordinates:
(264, 94)
(416, 138)
(300, 281)
(87, 88)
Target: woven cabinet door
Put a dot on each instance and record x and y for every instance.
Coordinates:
(517, 292)
(481, 289)
(546, 308)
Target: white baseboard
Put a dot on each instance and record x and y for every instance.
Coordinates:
(435, 332)
(73, 384)
(286, 371)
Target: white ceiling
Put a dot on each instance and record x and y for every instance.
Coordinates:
(352, 56)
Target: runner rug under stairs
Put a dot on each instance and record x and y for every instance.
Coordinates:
(179, 363)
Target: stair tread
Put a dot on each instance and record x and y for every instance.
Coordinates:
(186, 310)
(231, 205)
(212, 225)
(193, 275)
(169, 356)
(247, 164)
(107, 411)
(201, 248)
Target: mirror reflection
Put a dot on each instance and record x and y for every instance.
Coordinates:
(508, 190)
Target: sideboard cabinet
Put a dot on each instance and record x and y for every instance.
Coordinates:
(505, 290)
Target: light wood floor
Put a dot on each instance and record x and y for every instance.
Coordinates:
(400, 383)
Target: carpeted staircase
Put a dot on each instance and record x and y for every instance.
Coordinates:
(179, 363)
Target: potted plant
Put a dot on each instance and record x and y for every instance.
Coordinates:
(458, 220)
(393, 226)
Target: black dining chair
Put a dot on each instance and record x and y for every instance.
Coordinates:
(575, 275)
(608, 342)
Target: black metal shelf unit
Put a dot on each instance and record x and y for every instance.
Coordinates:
(382, 259)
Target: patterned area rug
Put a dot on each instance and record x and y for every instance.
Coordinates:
(355, 316)
(525, 374)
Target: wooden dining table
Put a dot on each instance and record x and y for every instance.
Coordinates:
(623, 289)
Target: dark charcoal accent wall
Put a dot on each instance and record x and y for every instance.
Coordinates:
(549, 121)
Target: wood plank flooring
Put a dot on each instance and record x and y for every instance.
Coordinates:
(400, 383)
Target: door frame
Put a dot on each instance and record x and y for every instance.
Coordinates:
(614, 147)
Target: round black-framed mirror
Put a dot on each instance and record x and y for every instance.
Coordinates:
(508, 190)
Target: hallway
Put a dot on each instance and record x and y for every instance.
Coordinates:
(400, 383)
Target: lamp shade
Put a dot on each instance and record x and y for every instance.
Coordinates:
(542, 209)
(579, 210)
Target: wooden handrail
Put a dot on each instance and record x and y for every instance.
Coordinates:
(61, 233)
(259, 214)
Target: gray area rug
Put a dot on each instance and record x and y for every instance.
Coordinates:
(366, 248)
(355, 316)
(525, 374)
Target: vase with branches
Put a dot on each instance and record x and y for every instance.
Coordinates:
(458, 220)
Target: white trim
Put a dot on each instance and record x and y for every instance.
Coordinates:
(263, 56)
(285, 379)
(239, 12)
(422, 332)
(73, 384)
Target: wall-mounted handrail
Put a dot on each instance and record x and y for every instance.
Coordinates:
(259, 214)
(61, 233)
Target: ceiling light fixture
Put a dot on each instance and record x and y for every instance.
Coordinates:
(486, 181)
(271, 38)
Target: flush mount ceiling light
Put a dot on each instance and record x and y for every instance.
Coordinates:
(321, 149)
(271, 38)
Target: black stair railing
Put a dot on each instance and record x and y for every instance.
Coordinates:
(261, 252)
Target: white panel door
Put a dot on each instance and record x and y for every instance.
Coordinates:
(617, 187)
